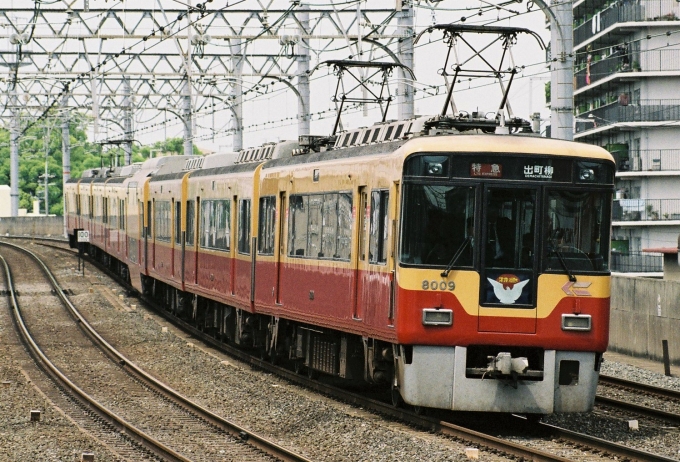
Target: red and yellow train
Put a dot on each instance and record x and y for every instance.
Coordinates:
(465, 270)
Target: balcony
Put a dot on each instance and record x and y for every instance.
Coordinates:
(646, 209)
(647, 110)
(647, 61)
(619, 12)
(654, 160)
(636, 262)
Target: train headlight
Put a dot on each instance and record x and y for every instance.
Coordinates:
(586, 174)
(580, 322)
(435, 168)
(435, 317)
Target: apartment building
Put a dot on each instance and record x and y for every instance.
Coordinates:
(627, 100)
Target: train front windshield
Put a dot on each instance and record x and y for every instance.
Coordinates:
(504, 229)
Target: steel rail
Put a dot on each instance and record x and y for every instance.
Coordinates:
(248, 436)
(131, 431)
(439, 426)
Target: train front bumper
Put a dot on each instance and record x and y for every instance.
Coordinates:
(436, 377)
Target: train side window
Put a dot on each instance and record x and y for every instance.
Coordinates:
(314, 225)
(178, 223)
(191, 217)
(329, 217)
(297, 225)
(377, 244)
(244, 226)
(206, 225)
(121, 214)
(215, 231)
(141, 219)
(162, 212)
(267, 225)
(222, 220)
(344, 239)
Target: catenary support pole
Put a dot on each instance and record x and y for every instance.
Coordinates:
(302, 60)
(237, 95)
(127, 121)
(14, 151)
(65, 152)
(405, 20)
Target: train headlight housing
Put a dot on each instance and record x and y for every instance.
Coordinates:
(437, 317)
(577, 322)
(586, 174)
(435, 168)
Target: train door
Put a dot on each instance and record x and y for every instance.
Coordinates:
(197, 226)
(361, 260)
(147, 236)
(283, 218)
(234, 226)
(509, 267)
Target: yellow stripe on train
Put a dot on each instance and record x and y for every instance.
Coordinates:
(552, 288)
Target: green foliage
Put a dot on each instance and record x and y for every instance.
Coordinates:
(34, 157)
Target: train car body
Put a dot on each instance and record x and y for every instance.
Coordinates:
(464, 271)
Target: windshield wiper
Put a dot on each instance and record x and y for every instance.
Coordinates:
(456, 256)
(572, 278)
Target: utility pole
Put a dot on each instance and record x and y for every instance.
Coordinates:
(405, 21)
(127, 121)
(303, 72)
(562, 70)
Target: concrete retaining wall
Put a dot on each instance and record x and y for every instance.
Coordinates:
(32, 226)
(643, 313)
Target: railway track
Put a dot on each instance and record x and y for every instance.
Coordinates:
(545, 443)
(167, 425)
(640, 399)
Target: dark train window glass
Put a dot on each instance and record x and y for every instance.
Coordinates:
(244, 226)
(577, 230)
(509, 252)
(510, 228)
(191, 222)
(438, 222)
(430, 166)
(320, 226)
(207, 224)
(178, 223)
(267, 225)
(121, 214)
(297, 225)
(344, 238)
(141, 219)
(314, 226)
(215, 224)
(377, 243)
(162, 220)
(329, 216)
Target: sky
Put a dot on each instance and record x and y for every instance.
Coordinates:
(527, 93)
